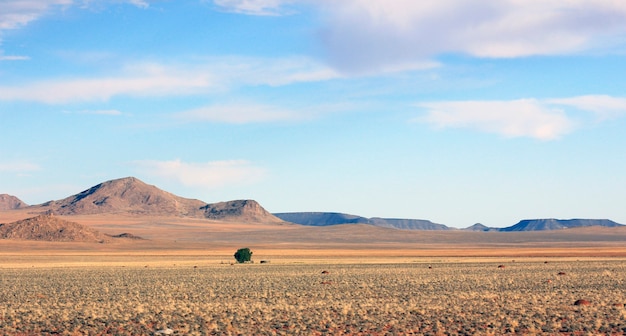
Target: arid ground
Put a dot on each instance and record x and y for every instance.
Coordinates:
(181, 280)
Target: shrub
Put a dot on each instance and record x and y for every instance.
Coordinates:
(243, 255)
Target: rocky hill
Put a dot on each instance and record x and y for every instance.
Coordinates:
(241, 210)
(8, 202)
(480, 227)
(334, 218)
(131, 196)
(557, 224)
(50, 228)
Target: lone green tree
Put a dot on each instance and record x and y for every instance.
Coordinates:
(243, 255)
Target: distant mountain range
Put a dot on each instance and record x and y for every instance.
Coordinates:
(557, 224)
(131, 196)
(334, 218)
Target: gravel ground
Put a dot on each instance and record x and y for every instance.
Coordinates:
(358, 299)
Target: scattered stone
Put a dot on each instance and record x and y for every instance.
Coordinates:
(265, 261)
(561, 273)
(501, 266)
(549, 281)
(325, 272)
(326, 282)
(166, 331)
(582, 302)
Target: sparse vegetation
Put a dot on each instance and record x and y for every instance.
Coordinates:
(243, 255)
(297, 299)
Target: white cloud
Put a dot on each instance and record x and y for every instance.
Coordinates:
(150, 79)
(139, 3)
(13, 57)
(19, 167)
(18, 13)
(254, 7)
(112, 112)
(367, 35)
(604, 106)
(544, 119)
(515, 118)
(210, 175)
(237, 114)
(143, 80)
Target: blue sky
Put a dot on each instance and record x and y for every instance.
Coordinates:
(454, 111)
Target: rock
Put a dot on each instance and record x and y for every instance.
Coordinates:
(325, 272)
(582, 302)
(501, 266)
(561, 273)
(166, 331)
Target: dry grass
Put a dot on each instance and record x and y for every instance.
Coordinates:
(450, 298)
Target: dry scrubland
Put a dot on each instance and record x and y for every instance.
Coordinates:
(451, 298)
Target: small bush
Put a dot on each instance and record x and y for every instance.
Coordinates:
(243, 255)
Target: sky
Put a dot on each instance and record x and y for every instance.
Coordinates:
(454, 111)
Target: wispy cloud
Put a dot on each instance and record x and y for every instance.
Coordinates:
(20, 167)
(151, 79)
(605, 107)
(142, 80)
(255, 7)
(112, 112)
(516, 118)
(210, 175)
(362, 35)
(13, 57)
(545, 119)
(237, 114)
(18, 13)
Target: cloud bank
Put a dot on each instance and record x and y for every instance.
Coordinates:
(370, 35)
(546, 119)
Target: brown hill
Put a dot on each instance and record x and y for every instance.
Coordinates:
(131, 196)
(241, 210)
(125, 195)
(50, 228)
(8, 202)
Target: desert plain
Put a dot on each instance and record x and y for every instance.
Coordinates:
(182, 279)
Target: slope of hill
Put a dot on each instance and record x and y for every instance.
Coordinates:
(557, 224)
(334, 218)
(131, 196)
(241, 210)
(479, 227)
(8, 202)
(49, 228)
(125, 195)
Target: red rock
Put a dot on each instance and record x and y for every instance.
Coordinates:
(501, 266)
(582, 302)
(325, 272)
(326, 282)
(561, 273)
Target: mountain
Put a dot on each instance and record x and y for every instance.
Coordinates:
(8, 202)
(334, 218)
(129, 195)
(242, 210)
(479, 227)
(320, 218)
(125, 195)
(50, 228)
(407, 224)
(557, 224)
